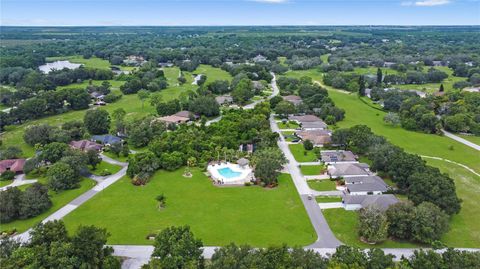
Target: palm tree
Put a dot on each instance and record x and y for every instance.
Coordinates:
(162, 200)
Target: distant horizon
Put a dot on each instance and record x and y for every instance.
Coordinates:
(260, 25)
(239, 13)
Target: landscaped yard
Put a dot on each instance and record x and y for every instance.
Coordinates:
(328, 199)
(288, 125)
(217, 215)
(289, 136)
(4, 183)
(322, 185)
(58, 200)
(344, 225)
(311, 170)
(120, 158)
(104, 166)
(302, 155)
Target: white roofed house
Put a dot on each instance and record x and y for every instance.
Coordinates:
(259, 58)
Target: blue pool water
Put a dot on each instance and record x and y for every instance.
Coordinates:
(228, 173)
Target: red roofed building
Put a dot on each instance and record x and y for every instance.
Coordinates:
(85, 145)
(14, 165)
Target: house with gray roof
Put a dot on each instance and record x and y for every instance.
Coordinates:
(106, 139)
(344, 170)
(224, 99)
(365, 185)
(337, 156)
(356, 202)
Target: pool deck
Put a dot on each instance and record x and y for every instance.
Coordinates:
(245, 173)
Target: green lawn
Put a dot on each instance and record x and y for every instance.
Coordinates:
(104, 166)
(289, 136)
(344, 225)
(217, 215)
(58, 200)
(115, 84)
(93, 62)
(302, 155)
(322, 185)
(310, 170)
(328, 199)
(4, 183)
(465, 228)
(288, 125)
(212, 73)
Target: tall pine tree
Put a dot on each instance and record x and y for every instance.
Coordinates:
(379, 76)
(361, 84)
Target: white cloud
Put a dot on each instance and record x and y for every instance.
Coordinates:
(271, 1)
(430, 3)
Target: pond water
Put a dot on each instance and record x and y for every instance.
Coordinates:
(58, 65)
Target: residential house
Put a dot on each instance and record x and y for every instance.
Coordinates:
(317, 137)
(365, 185)
(259, 58)
(355, 202)
(106, 139)
(224, 99)
(389, 64)
(85, 145)
(173, 119)
(338, 156)
(344, 170)
(134, 60)
(309, 122)
(294, 99)
(14, 165)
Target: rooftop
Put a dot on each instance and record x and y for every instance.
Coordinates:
(382, 201)
(329, 156)
(348, 169)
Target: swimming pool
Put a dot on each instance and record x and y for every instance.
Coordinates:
(227, 172)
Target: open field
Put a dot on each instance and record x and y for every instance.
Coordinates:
(212, 73)
(322, 185)
(115, 84)
(309, 170)
(58, 200)
(344, 225)
(217, 215)
(302, 155)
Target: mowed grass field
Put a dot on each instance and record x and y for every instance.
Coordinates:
(322, 185)
(104, 166)
(58, 199)
(302, 155)
(217, 215)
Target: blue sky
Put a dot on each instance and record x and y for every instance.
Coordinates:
(239, 12)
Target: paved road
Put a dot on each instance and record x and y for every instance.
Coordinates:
(65, 210)
(326, 238)
(139, 255)
(461, 140)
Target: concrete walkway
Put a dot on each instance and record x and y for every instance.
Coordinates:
(330, 205)
(326, 238)
(19, 180)
(309, 163)
(461, 140)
